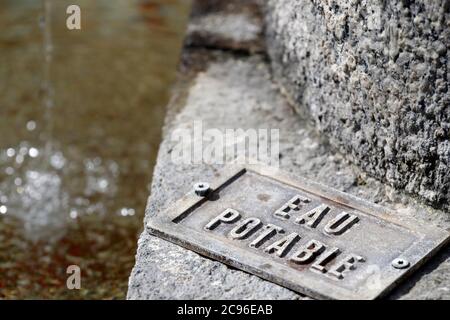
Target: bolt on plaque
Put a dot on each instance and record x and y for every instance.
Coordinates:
(297, 233)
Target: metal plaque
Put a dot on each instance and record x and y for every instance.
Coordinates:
(299, 234)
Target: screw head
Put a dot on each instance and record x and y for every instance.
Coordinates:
(201, 189)
(400, 263)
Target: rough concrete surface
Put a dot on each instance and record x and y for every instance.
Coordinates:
(233, 89)
(374, 77)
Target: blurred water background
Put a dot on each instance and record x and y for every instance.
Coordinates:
(80, 119)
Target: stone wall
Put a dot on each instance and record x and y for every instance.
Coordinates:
(373, 75)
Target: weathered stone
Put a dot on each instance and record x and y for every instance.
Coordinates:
(233, 93)
(229, 90)
(374, 77)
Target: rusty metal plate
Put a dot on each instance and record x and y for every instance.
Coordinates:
(298, 234)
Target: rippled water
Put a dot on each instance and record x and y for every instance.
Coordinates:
(80, 119)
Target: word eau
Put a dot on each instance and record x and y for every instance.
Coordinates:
(73, 21)
(74, 280)
(218, 146)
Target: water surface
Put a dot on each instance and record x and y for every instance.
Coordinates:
(80, 119)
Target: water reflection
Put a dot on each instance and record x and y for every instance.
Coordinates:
(78, 139)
